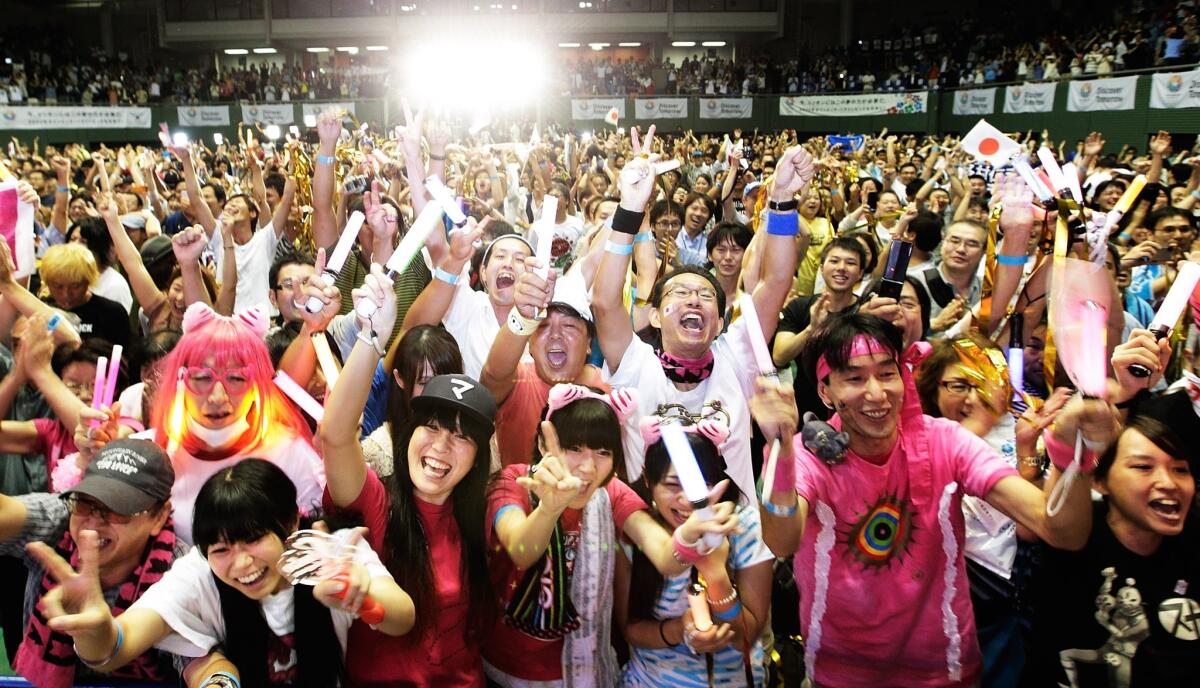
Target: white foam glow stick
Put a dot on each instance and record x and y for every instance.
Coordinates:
(429, 220)
(1053, 170)
(329, 366)
(766, 367)
(442, 195)
(1033, 181)
(690, 477)
(1016, 368)
(299, 395)
(545, 233)
(1071, 177)
(1177, 298)
(340, 252)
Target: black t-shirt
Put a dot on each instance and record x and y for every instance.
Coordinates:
(1116, 618)
(105, 319)
(795, 319)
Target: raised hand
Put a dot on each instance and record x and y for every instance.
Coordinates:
(1160, 143)
(773, 408)
(550, 479)
(410, 133)
(637, 178)
(107, 205)
(188, 244)
(314, 288)
(61, 166)
(463, 239)
(75, 605)
(793, 172)
(1016, 213)
(377, 288)
(1144, 349)
(534, 293)
(382, 218)
(329, 127)
(1093, 144)
(89, 440)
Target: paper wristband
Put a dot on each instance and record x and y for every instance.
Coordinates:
(783, 224)
(618, 249)
(445, 276)
(1011, 260)
(325, 159)
(627, 221)
(643, 236)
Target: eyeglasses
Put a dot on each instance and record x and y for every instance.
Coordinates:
(83, 507)
(958, 387)
(972, 244)
(705, 294)
(286, 284)
(202, 380)
(76, 388)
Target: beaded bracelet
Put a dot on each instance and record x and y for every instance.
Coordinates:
(732, 596)
(221, 679)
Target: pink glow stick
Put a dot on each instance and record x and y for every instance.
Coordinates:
(99, 386)
(114, 369)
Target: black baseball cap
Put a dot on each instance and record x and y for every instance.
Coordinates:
(128, 476)
(461, 393)
(155, 249)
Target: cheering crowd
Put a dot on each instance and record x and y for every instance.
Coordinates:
(428, 409)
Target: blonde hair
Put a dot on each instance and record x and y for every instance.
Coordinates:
(69, 264)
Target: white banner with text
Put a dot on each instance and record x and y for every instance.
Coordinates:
(855, 104)
(1024, 98)
(75, 118)
(1102, 94)
(203, 115)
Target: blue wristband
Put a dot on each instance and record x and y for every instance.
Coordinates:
(729, 614)
(780, 511)
(783, 224)
(446, 276)
(325, 159)
(63, 189)
(1011, 260)
(618, 249)
(643, 236)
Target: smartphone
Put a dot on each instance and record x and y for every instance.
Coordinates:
(872, 199)
(1164, 254)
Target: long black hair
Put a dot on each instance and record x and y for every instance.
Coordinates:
(242, 503)
(645, 582)
(406, 546)
(420, 345)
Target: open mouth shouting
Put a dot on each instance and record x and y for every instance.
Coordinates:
(692, 321)
(434, 469)
(1168, 509)
(505, 279)
(556, 356)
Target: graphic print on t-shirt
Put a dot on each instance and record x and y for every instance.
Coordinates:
(1125, 619)
(881, 533)
(1181, 617)
(282, 667)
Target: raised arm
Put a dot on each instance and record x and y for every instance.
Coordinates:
(793, 173)
(34, 355)
(258, 189)
(532, 294)
(148, 295)
(25, 303)
(430, 307)
(188, 244)
(324, 226)
(279, 218)
(345, 469)
(62, 192)
(196, 202)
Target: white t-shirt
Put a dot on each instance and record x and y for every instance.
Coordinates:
(471, 320)
(113, 287)
(187, 600)
(730, 386)
(253, 265)
(293, 455)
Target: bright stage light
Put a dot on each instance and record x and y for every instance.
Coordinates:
(568, 45)
(376, 48)
(450, 74)
(264, 51)
(633, 44)
(713, 44)
(318, 50)
(236, 51)
(683, 44)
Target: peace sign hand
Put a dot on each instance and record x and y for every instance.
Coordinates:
(551, 478)
(76, 605)
(637, 177)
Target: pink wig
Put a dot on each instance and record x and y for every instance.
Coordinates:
(224, 342)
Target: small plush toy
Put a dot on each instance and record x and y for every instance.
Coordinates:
(822, 439)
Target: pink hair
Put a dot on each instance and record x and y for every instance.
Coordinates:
(231, 343)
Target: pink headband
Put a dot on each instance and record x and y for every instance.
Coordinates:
(200, 315)
(861, 346)
(716, 431)
(623, 400)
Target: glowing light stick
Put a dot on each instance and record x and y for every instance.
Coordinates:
(180, 139)
(698, 603)
(310, 120)
(445, 199)
(1131, 193)
(311, 557)
(1016, 353)
(429, 220)
(1172, 307)
(766, 368)
(98, 387)
(690, 477)
(272, 131)
(1033, 181)
(218, 138)
(299, 395)
(340, 252)
(294, 130)
(663, 167)
(1061, 187)
(545, 234)
(329, 366)
(114, 368)
(1071, 177)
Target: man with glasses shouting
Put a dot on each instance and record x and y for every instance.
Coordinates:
(123, 504)
(954, 286)
(692, 364)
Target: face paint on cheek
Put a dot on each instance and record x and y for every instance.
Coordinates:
(841, 406)
(668, 310)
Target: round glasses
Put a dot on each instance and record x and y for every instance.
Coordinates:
(83, 507)
(202, 380)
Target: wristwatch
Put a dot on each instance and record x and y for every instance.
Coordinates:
(783, 206)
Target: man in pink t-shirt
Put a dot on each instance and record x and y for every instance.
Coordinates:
(882, 579)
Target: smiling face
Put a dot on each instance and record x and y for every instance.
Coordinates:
(687, 315)
(958, 400)
(251, 568)
(1146, 488)
(593, 466)
(670, 500)
(80, 377)
(175, 297)
(1112, 193)
(963, 247)
(506, 262)
(560, 347)
(696, 215)
(841, 270)
(236, 210)
(439, 457)
(218, 398)
(867, 394)
(281, 291)
(121, 545)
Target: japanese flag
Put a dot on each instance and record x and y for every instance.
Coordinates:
(989, 144)
(613, 117)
